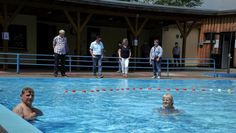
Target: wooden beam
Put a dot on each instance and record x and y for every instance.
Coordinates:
(130, 25)
(185, 30)
(191, 27)
(78, 21)
(1, 19)
(70, 20)
(85, 22)
(16, 12)
(180, 28)
(141, 27)
(136, 23)
(4, 14)
(77, 46)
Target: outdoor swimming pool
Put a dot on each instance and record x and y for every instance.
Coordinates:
(207, 105)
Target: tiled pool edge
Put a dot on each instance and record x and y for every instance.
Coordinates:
(14, 124)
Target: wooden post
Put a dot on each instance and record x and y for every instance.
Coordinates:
(77, 47)
(6, 21)
(184, 40)
(136, 30)
(185, 30)
(77, 27)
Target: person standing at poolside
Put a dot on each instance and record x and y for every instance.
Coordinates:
(124, 54)
(176, 54)
(96, 50)
(25, 108)
(119, 61)
(155, 59)
(60, 50)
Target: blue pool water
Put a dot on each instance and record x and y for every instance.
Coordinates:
(126, 111)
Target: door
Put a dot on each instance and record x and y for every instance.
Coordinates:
(227, 44)
(45, 35)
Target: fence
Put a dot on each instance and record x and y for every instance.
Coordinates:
(19, 60)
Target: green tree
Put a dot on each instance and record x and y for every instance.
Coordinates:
(185, 3)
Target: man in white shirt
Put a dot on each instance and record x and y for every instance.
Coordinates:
(96, 50)
(155, 59)
(60, 50)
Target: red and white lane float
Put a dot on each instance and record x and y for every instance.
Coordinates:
(97, 90)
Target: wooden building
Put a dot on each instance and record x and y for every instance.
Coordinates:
(33, 23)
(217, 39)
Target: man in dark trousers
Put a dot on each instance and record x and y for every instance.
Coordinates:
(60, 50)
(176, 54)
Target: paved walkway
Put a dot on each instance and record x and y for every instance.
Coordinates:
(144, 75)
(136, 74)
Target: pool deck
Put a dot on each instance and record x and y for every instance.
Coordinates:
(138, 74)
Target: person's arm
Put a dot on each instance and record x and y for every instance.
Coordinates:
(119, 53)
(67, 47)
(150, 56)
(160, 53)
(54, 42)
(102, 49)
(130, 53)
(37, 111)
(91, 50)
(31, 116)
(18, 110)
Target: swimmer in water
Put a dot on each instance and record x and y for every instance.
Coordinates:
(168, 105)
(25, 108)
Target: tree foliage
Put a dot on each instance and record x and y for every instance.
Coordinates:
(185, 3)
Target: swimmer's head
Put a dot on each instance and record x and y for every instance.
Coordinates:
(167, 101)
(27, 96)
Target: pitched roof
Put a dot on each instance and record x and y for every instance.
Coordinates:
(149, 7)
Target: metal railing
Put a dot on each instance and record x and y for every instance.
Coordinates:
(75, 61)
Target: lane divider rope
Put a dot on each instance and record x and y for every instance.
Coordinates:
(229, 91)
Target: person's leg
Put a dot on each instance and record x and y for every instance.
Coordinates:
(158, 68)
(175, 61)
(100, 65)
(178, 60)
(126, 67)
(119, 70)
(63, 69)
(94, 65)
(123, 65)
(56, 65)
(154, 68)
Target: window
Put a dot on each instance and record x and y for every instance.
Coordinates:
(18, 39)
(209, 37)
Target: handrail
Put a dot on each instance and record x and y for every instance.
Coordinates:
(76, 61)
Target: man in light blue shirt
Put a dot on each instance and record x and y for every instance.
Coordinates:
(96, 50)
(155, 59)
